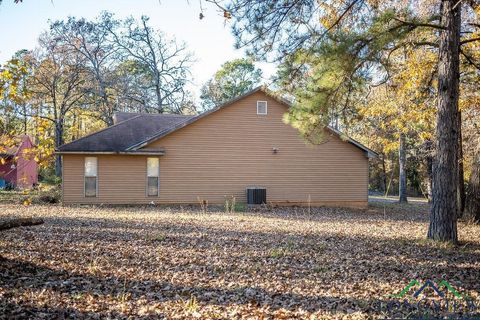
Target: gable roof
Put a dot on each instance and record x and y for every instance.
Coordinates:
(118, 137)
(133, 131)
(166, 131)
(162, 133)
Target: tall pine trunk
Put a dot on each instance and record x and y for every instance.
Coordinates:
(443, 213)
(461, 174)
(472, 206)
(402, 173)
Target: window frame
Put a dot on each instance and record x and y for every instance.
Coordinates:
(147, 176)
(85, 180)
(266, 108)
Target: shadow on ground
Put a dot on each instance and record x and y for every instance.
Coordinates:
(47, 271)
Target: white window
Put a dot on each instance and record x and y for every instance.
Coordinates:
(91, 176)
(153, 172)
(262, 107)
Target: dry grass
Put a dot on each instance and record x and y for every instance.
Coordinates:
(90, 262)
(43, 194)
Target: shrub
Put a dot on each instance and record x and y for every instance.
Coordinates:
(279, 252)
(240, 207)
(156, 237)
(49, 194)
(203, 204)
(47, 176)
(230, 204)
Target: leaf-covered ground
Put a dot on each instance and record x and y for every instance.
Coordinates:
(91, 262)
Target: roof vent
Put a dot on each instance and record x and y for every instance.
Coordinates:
(262, 107)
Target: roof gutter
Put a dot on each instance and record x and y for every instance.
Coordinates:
(127, 153)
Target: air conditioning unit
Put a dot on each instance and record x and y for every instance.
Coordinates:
(256, 195)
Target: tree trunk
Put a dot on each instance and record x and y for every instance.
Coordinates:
(460, 175)
(159, 98)
(429, 160)
(108, 111)
(109, 120)
(443, 215)
(74, 126)
(25, 120)
(58, 143)
(79, 125)
(20, 222)
(384, 174)
(472, 206)
(402, 174)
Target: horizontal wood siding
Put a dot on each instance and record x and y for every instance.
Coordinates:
(121, 179)
(225, 152)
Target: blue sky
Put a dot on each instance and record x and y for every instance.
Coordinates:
(209, 39)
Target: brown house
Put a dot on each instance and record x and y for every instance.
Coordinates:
(145, 158)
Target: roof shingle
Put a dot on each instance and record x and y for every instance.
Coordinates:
(128, 129)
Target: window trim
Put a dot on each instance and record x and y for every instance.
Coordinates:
(85, 176)
(266, 108)
(158, 178)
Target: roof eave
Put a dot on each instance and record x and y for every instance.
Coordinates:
(127, 153)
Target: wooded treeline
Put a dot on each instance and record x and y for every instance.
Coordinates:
(82, 72)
